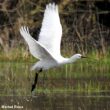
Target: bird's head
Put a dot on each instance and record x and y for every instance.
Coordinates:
(76, 57)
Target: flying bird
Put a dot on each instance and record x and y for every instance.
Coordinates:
(47, 48)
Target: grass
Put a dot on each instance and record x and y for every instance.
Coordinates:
(86, 76)
(16, 55)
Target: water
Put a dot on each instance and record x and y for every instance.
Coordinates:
(70, 88)
(57, 102)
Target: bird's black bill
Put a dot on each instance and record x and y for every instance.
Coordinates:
(35, 82)
(83, 57)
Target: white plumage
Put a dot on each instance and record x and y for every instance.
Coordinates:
(47, 48)
(51, 31)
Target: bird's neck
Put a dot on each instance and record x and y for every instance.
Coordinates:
(71, 59)
(68, 60)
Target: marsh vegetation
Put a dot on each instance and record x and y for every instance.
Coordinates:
(84, 85)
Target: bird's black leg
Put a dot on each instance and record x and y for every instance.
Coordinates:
(35, 81)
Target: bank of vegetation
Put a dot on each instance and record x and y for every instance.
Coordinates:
(82, 31)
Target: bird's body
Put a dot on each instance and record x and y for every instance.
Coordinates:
(47, 64)
(47, 48)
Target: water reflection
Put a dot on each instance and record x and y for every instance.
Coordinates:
(56, 102)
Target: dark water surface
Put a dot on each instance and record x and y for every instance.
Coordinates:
(55, 102)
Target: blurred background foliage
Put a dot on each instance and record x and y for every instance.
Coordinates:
(85, 25)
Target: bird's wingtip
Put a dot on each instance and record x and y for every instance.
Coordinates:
(52, 6)
(24, 28)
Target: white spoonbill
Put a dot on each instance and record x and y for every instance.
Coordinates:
(47, 48)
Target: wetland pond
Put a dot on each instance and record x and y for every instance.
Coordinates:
(70, 87)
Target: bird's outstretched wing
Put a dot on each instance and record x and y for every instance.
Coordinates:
(51, 30)
(36, 49)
